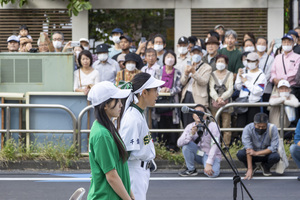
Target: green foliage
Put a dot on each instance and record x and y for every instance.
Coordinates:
(163, 154)
(134, 22)
(234, 148)
(286, 16)
(74, 6)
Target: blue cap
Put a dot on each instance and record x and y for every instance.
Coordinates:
(117, 30)
(196, 47)
(292, 32)
(126, 37)
(287, 36)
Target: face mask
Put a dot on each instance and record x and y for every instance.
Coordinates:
(116, 39)
(158, 47)
(260, 131)
(57, 44)
(284, 94)
(77, 53)
(130, 66)
(287, 48)
(251, 66)
(249, 49)
(86, 48)
(220, 66)
(102, 56)
(196, 58)
(261, 48)
(245, 63)
(170, 61)
(182, 50)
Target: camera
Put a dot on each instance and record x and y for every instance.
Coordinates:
(200, 130)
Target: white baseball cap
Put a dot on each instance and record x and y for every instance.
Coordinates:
(84, 40)
(13, 38)
(283, 83)
(105, 90)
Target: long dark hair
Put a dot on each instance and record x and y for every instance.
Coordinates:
(103, 119)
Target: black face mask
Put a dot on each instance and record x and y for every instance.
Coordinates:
(260, 131)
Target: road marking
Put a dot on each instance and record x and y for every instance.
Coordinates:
(151, 179)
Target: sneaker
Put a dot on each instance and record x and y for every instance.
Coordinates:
(255, 168)
(265, 170)
(188, 173)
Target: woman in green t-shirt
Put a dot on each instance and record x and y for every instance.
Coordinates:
(107, 153)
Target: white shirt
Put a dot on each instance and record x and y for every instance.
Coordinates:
(108, 70)
(136, 136)
(85, 79)
(151, 70)
(267, 70)
(182, 63)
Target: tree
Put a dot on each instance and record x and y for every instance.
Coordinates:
(74, 6)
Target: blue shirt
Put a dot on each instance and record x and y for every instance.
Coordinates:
(297, 133)
(252, 140)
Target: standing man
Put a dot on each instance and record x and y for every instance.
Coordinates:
(107, 67)
(13, 43)
(233, 54)
(58, 41)
(212, 46)
(295, 148)
(184, 56)
(159, 43)
(125, 43)
(115, 37)
(295, 36)
(150, 58)
(259, 146)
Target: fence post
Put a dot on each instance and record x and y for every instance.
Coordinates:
(281, 120)
(7, 123)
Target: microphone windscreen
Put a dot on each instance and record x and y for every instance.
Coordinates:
(185, 109)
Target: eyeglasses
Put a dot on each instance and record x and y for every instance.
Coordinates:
(57, 39)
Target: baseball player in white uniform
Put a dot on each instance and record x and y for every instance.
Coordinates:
(135, 132)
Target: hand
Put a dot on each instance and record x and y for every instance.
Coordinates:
(46, 38)
(192, 70)
(194, 130)
(208, 169)
(187, 70)
(198, 43)
(276, 81)
(163, 90)
(251, 152)
(131, 195)
(167, 89)
(248, 175)
(272, 44)
(240, 71)
(219, 100)
(67, 46)
(243, 79)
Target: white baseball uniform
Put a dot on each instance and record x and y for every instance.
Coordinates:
(135, 134)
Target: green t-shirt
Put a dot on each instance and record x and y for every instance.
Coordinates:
(234, 57)
(104, 157)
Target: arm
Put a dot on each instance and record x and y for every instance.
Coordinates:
(229, 85)
(268, 68)
(50, 45)
(116, 183)
(297, 134)
(249, 167)
(141, 46)
(292, 101)
(67, 47)
(238, 82)
(258, 88)
(186, 136)
(276, 100)
(184, 78)
(203, 78)
(212, 91)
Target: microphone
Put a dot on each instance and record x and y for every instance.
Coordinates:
(186, 109)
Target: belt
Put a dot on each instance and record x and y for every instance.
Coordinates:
(145, 164)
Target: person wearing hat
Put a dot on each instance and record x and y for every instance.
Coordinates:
(125, 43)
(251, 82)
(13, 43)
(282, 96)
(107, 67)
(233, 54)
(107, 153)
(115, 37)
(85, 43)
(212, 46)
(295, 36)
(285, 66)
(126, 75)
(183, 56)
(121, 60)
(194, 81)
(221, 30)
(135, 133)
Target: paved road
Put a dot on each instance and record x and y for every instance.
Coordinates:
(28, 185)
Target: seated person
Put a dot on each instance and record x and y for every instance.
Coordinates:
(259, 147)
(295, 148)
(283, 96)
(197, 145)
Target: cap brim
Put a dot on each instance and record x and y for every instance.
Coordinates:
(155, 84)
(121, 94)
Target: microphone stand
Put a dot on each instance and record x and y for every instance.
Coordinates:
(236, 177)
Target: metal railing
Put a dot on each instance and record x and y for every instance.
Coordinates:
(9, 131)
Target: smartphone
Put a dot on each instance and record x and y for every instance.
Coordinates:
(188, 62)
(75, 43)
(143, 39)
(42, 37)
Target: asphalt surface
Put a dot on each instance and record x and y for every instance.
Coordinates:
(166, 184)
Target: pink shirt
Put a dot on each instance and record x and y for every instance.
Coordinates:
(206, 144)
(291, 62)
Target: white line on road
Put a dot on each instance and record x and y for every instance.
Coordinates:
(153, 179)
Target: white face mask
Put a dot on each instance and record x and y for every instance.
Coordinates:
(57, 44)
(220, 66)
(287, 48)
(77, 53)
(251, 66)
(261, 48)
(284, 94)
(102, 56)
(245, 63)
(182, 50)
(130, 66)
(170, 61)
(196, 58)
(116, 39)
(249, 49)
(86, 48)
(158, 47)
